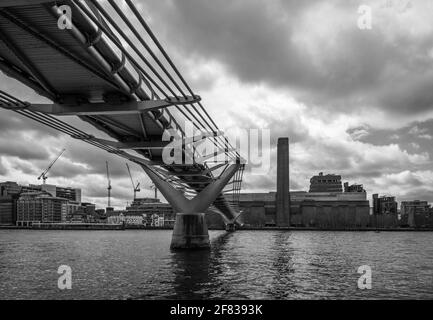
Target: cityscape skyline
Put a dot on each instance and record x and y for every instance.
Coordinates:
(149, 192)
(122, 193)
(331, 129)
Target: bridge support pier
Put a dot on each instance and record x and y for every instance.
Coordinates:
(190, 229)
(190, 232)
(230, 227)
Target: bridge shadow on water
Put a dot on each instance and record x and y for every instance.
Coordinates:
(282, 267)
(209, 274)
(198, 274)
(235, 267)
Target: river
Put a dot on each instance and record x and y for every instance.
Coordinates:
(240, 265)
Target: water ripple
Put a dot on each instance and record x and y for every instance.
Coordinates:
(240, 265)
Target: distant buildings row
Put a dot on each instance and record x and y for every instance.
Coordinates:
(23, 205)
(40, 204)
(148, 212)
(414, 213)
(327, 205)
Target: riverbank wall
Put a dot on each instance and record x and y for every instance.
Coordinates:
(106, 227)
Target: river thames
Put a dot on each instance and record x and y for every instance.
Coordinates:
(240, 265)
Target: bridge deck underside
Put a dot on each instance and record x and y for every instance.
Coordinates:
(57, 65)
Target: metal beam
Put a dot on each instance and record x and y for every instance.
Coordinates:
(93, 109)
(10, 3)
(51, 43)
(153, 144)
(108, 122)
(147, 152)
(189, 174)
(34, 72)
(13, 71)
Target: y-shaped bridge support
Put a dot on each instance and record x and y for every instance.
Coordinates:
(190, 229)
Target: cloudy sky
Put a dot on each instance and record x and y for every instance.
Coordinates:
(357, 102)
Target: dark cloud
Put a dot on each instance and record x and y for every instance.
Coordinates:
(277, 124)
(68, 170)
(244, 35)
(411, 94)
(18, 145)
(24, 166)
(257, 43)
(418, 193)
(13, 123)
(9, 121)
(93, 160)
(415, 137)
(259, 183)
(2, 168)
(98, 191)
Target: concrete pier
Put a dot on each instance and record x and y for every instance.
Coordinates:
(230, 227)
(190, 232)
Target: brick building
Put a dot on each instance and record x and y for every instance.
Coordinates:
(40, 207)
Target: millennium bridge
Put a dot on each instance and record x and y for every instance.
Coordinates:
(102, 63)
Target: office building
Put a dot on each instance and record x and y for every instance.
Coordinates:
(326, 183)
(416, 213)
(83, 213)
(354, 188)
(149, 212)
(11, 191)
(72, 194)
(7, 210)
(40, 207)
(384, 205)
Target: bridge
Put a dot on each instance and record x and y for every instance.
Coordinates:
(103, 64)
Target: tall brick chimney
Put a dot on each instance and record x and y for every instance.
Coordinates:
(283, 179)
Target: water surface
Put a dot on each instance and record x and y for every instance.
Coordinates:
(241, 265)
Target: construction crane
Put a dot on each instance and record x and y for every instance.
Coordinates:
(136, 187)
(44, 174)
(109, 185)
(153, 187)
